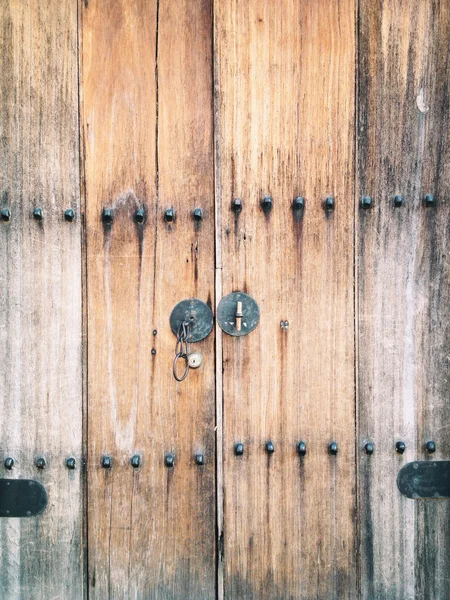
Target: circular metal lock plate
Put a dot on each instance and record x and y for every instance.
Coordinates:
(195, 360)
(197, 314)
(226, 313)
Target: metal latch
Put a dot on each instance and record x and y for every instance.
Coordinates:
(238, 314)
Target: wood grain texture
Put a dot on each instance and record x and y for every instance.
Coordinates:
(285, 102)
(147, 78)
(40, 295)
(403, 289)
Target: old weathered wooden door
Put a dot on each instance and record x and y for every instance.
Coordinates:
(156, 151)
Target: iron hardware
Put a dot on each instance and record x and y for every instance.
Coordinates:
(135, 461)
(425, 479)
(169, 460)
(195, 360)
(267, 204)
(238, 309)
(270, 448)
(21, 498)
(198, 214)
(199, 460)
(298, 204)
(301, 448)
(37, 214)
(41, 463)
(239, 449)
(9, 463)
(429, 200)
(106, 462)
(5, 214)
(69, 215)
(71, 463)
(139, 216)
(108, 216)
(430, 447)
(333, 448)
(366, 202)
(284, 325)
(398, 200)
(329, 203)
(169, 215)
(400, 447)
(236, 206)
(368, 448)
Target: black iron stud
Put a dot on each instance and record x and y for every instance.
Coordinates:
(197, 215)
(329, 203)
(270, 448)
(153, 351)
(37, 214)
(69, 215)
(108, 216)
(41, 463)
(71, 463)
(236, 206)
(301, 448)
(135, 461)
(267, 204)
(400, 447)
(398, 201)
(139, 216)
(368, 448)
(239, 449)
(298, 203)
(9, 463)
(429, 200)
(106, 462)
(169, 460)
(155, 332)
(5, 214)
(199, 460)
(366, 202)
(333, 448)
(430, 447)
(169, 215)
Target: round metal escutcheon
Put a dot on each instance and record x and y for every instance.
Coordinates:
(226, 313)
(197, 314)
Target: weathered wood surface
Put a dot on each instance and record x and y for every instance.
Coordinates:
(403, 292)
(147, 80)
(285, 102)
(40, 295)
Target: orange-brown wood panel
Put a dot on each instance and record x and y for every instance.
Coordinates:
(40, 296)
(285, 99)
(147, 79)
(403, 291)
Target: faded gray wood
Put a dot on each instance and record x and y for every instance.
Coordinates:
(40, 295)
(403, 292)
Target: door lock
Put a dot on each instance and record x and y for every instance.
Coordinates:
(238, 314)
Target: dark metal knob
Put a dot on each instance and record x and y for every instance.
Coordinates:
(430, 447)
(106, 462)
(398, 200)
(267, 204)
(135, 461)
(329, 203)
(169, 215)
(41, 463)
(5, 214)
(37, 214)
(139, 216)
(239, 449)
(429, 200)
(298, 203)
(71, 463)
(9, 463)
(366, 202)
(333, 448)
(270, 448)
(236, 205)
(301, 448)
(107, 216)
(169, 460)
(199, 459)
(400, 447)
(197, 215)
(368, 448)
(69, 215)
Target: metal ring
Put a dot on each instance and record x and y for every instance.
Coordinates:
(176, 359)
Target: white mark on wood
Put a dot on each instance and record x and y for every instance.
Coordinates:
(421, 104)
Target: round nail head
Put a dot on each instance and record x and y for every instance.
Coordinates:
(169, 215)
(41, 462)
(106, 462)
(329, 203)
(400, 447)
(298, 203)
(5, 214)
(430, 447)
(333, 447)
(107, 216)
(270, 448)
(398, 201)
(236, 205)
(239, 449)
(71, 463)
(366, 202)
(139, 216)
(429, 200)
(368, 448)
(198, 215)
(301, 448)
(9, 463)
(37, 214)
(169, 460)
(199, 459)
(267, 204)
(69, 215)
(136, 461)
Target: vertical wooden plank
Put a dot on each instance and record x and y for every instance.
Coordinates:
(147, 80)
(40, 295)
(285, 98)
(403, 288)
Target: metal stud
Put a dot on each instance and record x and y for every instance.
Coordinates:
(71, 463)
(199, 460)
(270, 448)
(169, 460)
(239, 449)
(329, 203)
(430, 447)
(429, 200)
(9, 463)
(333, 448)
(197, 215)
(69, 215)
(155, 332)
(169, 215)
(139, 216)
(267, 204)
(37, 214)
(40, 462)
(153, 351)
(398, 200)
(366, 202)
(236, 206)
(135, 461)
(108, 216)
(301, 448)
(400, 447)
(368, 448)
(5, 214)
(298, 204)
(106, 462)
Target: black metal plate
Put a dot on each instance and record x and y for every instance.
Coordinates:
(425, 479)
(197, 314)
(21, 498)
(226, 313)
